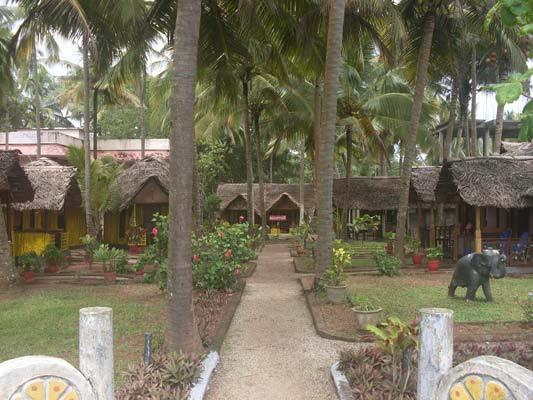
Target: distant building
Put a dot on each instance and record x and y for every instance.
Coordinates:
(54, 144)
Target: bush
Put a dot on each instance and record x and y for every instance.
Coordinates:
(168, 377)
(334, 275)
(52, 254)
(362, 303)
(527, 306)
(30, 261)
(112, 259)
(90, 244)
(387, 264)
(434, 253)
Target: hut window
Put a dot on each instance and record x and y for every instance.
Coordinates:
(61, 221)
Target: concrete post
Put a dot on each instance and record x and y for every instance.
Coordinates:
(436, 350)
(96, 350)
(486, 143)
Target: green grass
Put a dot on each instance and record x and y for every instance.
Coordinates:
(45, 322)
(404, 295)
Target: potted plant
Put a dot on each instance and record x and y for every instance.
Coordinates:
(53, 257)
(90, 245)
(334, 277)
(30, 263)
(434, 256)
(412, 246)
(391, 237)
(103, 254)
(366, 313)
(136, 237)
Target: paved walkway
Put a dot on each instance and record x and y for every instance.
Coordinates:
(271, 350)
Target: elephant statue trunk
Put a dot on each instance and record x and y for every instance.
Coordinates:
(475, 270)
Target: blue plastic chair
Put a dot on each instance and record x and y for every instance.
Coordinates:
(520, 248)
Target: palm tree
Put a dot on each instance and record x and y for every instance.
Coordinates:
(325, 184)
(182, 329)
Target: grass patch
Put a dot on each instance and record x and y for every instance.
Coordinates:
(45, 321)
(404, 295)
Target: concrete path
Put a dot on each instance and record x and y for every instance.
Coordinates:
(271, 350)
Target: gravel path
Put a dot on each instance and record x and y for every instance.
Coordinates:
(271, 350)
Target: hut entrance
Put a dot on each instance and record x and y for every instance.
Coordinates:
(284, 213)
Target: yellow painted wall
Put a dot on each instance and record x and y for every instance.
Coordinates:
(111, 227)
(75, 224)
(24, 242)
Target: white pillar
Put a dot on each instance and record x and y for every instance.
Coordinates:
(96, 350)
(436, 350)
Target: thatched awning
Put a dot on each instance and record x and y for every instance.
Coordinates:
(13, 180)
(501, 182)
(424, 181)
(235, 195)
(134, 178)
(517, 149)
(54, 185)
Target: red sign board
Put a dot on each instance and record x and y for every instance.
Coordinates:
(277, 218)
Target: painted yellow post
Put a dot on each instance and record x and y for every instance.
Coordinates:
(477, 243)
(456, 231)
(421, 225)
(432, 228)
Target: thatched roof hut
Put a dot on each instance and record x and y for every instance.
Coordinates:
(501, 182)
(234, 196)
(517, 149)
(55, 186)
(143, 178)
(13, 180)
(383, 192)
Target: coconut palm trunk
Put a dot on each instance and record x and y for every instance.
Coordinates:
(410, 150)
(36, 96)
(182, 331)
(473, 130)
(89, 220)
(248, 153)
(451, 122)
(7, 270)
(142, 112)
(95, 123)
(499, 118)
(346, 211)
(316, 133)
(260, 173)
(301, 182)
(327, 133)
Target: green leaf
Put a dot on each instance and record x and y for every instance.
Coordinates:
(507, 17)
(506, 92)
(528, 108)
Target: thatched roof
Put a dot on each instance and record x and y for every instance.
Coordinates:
(383, 192)
(13, 179)
(516, 149)
(235, 194)
(54, 185)
(502, 182)
(134, 178)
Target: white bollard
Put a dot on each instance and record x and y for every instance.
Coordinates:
(96, 350)
(436, 350)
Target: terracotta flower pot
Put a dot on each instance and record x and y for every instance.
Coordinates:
(139, 272)
(389, 248)
(110, 277)
(51, 268)
(28, 276)
(133, 249)
(433, 265)
(364, 318)
(417, 259)
(336, 294)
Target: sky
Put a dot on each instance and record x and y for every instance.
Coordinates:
(69, 51)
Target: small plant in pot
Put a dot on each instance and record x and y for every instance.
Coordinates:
(135, 236)
(334, 277)
(412, 247)
(103, 254)
(391, 237)
(90, 244)
(434, 256)
(366, 312)
(29, 263)
(53, 257)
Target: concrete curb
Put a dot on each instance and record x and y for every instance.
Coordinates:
(344, 392)
(199, 389)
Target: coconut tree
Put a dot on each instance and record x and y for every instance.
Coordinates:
(182, 330)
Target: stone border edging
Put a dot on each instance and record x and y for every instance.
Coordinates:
(344, 392)
(227, 317)
(209, 364)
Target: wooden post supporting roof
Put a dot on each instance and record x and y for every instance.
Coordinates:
(477, 242)
(432, 232)
(421, 225)
(456, 232)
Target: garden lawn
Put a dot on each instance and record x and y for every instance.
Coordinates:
(402, 296)
(44, 321)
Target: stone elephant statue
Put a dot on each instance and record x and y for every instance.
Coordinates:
(475, 270)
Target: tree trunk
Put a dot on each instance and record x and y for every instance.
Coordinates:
(316, 135)
(7, 270)
(451, 122)
(198, 198)
(466, 129)
(272, 165)
(260, 173)
(473, 132)
(345, 211)
(327, 135)
(36, 96)
(499, 119)
(302, 182)
(95, 123)
(410, 150)
(248, 154)
(89, 218)
(143, 122)
(383, 167)
(182, 331)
